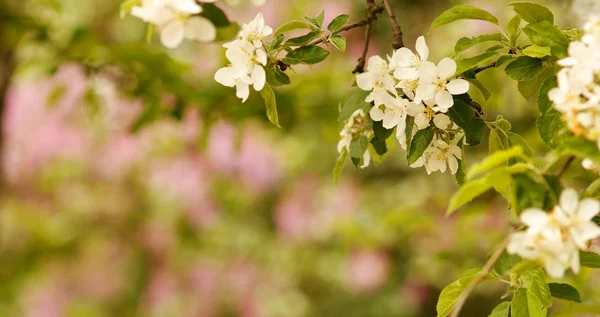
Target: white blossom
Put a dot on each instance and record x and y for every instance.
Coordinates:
(577, 96)
(441, 155)
(555, 238)
(379, 81)
(435, 83)
(393, 116)
(247, 59)
(177, 20)
(408, 63)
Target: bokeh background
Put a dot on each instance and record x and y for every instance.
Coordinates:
(132, 184)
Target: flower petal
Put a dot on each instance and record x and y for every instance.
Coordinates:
(569, 200)
(588, 209)
(422, 48)
(457, 86)
(201, 29)
(172, 35)
(259, 78)
(444, 99)
(446, 68)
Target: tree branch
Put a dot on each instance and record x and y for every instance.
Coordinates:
(397, 41)
(566, 166)
(487, 268)
(484, 67)
(373, 11)
(360, 67)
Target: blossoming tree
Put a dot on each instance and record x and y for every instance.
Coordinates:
(425, 106)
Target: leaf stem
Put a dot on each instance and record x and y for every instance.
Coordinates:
(566, 166)
(487, 268)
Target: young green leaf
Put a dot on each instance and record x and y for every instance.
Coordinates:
(524, 68)
(358, 146)
(290, 26)
(565, 291)
(528, 192)
(530, 88)
(589, 259)
(517, 140)
(580, 147)
(338, 23)
(466, 117)
(468, 42)
(501, 310)
(518, 306)
(306, 55)
(549, 123)
(537, 51)
(355, 102)
(593, 191)
(339, 165)
(485, 93)
(505, 263)
(538, 292)
(317, 20)
(545, 34)
(462, 12)
(512, 29)
(533, 12)
(303, 39)
(380, 135)
(503, 59)
(466, 64)
(271, 103)
(339, 42)
(215, 15)
(494, 160)
(451, 293)
(472, 189)
(419, 144)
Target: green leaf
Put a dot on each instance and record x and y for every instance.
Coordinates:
(538, 292)
(419, 144)
(498, 141)
(355, 102)
(545, 34)
(303, 39)
(465, 117)
(513, 29)
(549, 123)
(462, 12)
(528, 192)
(127, 5)
(339, 165)
(503, 59)
(485, 93)
(466, 64)
(524, 68)
(380, 135)
(290, 26)
(317, 20)
(565, 291)
(451, 293)
(537, 51)
(533, 12)
(271, 103)
(518, 306)
(468, 42)
(306, 55)
(593, 191)
(580, 147)
(338, 23)
(472, 189)
(517, 140)
(501, 310)
(589, 259)
(275, 77)
(338, 42)
(505, 263)
(359, 146)
(150, 32)
(215, 15)
(276, 42)
(530, 88)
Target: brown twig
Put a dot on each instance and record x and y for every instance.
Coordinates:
(397, 41)
(360, 67)
(373, 11)
(487, 268)
(484, 67)
(566, 166)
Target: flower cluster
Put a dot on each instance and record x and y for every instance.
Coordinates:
(176, 20)
(555, 238)
(357, 125)
(407, 84)
(577, 96)
(247, 57)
